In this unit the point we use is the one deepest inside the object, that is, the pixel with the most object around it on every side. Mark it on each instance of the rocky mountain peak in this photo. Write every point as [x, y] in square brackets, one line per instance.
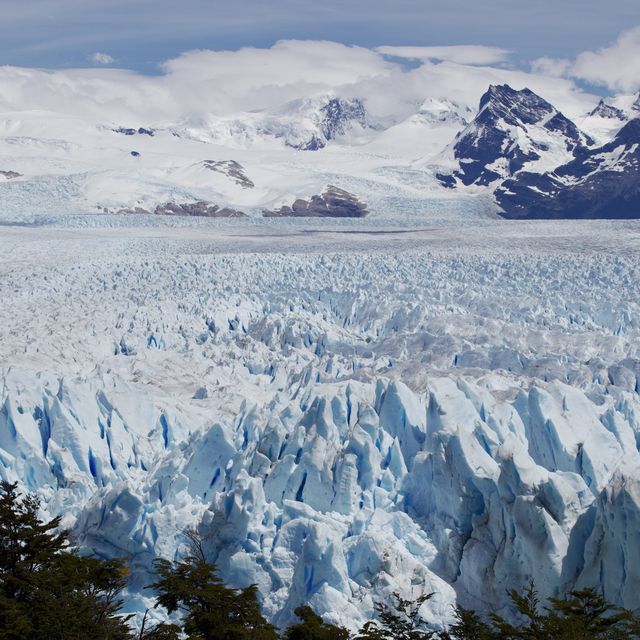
[605, 110]
[512, 128]
[338, 113]
[502, 101]
[335, 118]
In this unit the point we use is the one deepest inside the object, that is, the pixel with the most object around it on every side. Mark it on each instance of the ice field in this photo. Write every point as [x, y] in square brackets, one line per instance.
[342, 409]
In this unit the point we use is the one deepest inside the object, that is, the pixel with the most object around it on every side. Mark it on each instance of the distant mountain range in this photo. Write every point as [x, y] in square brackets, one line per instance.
[517, 149]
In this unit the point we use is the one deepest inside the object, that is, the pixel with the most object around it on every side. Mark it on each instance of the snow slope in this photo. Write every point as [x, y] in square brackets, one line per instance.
[341, 410]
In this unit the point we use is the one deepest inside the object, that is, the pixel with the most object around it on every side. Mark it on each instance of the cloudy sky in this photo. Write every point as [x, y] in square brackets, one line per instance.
[141, 34]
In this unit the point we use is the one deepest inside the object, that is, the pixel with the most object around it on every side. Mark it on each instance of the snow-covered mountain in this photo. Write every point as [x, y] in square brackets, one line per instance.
[603, 183]
[304, 125]
[512, 129]
[397, 155]
[609, 116]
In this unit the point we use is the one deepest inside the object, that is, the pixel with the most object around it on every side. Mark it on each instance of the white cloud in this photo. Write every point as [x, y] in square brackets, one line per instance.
[462, 54]
[101, 58]
[253, 78]
[616, 66]
[554, 67]
[202, 84]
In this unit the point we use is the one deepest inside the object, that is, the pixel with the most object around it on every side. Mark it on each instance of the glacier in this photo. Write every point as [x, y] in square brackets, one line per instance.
[340, 410]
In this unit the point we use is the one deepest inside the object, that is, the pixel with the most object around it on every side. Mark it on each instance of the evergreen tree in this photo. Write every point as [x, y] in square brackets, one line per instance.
[46, 591]
[586, 614]
[534, 622]
[313, 627]
[161, 632]
[210, 610]
[400, 622]
[581, 615]
[467, 626]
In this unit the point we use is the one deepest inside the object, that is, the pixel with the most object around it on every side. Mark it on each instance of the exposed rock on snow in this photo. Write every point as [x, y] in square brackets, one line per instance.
[333, 203]
[334, 119]
[132, 132]
[231, 169]
[200, 208]
[10, 175]
[512, 129]
[605, 110]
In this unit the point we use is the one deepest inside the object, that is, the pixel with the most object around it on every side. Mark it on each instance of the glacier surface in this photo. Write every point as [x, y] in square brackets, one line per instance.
[340, 410]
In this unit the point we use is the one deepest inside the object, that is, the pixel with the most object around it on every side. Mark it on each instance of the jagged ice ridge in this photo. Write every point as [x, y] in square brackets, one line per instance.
[336, 426]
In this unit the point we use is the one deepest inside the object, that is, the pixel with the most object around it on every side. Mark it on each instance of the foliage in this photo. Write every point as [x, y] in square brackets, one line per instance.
[210, 610]
[402, 621]
[467, 625]
[313, 627]
[580, 615]
[46, 591]
[49, 592]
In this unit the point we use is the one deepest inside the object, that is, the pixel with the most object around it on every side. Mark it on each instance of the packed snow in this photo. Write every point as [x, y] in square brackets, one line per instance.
[342, 409]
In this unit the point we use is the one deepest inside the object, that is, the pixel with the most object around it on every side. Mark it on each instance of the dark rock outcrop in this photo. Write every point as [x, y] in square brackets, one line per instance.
[605, 110]
[335, 119]
[338, 114]
[231, 169]
[333, 203]
[127, 131]
[199, 208]
[10, 175]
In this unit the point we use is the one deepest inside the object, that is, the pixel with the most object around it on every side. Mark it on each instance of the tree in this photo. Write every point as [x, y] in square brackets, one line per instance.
[313, 627]
[534, 623]
[580, 615]
[467, 626]
[161, 632]
[586, 614]
[210, 610]
[400, 622]
[46, 591]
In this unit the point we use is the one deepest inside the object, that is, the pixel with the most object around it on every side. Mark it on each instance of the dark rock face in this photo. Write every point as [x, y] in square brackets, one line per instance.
[605, 110]
[313, 144]
[126, 131]
[336, 116]
[333, 203]
[490, 138]
[339, 113]
[231, 169]
[10, 175]
[603, 183]
[199, 208]
[135, 154]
